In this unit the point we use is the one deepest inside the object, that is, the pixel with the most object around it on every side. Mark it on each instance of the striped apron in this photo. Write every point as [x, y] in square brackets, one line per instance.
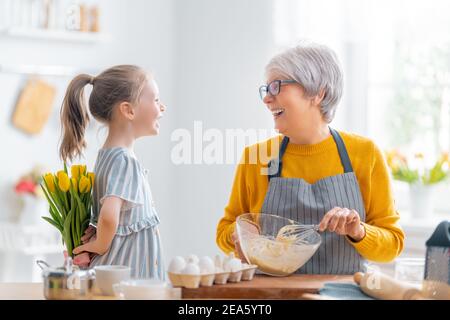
[295, 199]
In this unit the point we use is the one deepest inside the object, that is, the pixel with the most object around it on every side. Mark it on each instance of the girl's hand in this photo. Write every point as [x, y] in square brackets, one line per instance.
[93, 246]
[345, 222]
[82, 260]
[108, 222]
[88, 234]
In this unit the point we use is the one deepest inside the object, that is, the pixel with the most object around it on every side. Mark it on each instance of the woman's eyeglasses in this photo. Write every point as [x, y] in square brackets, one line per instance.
[273, 88]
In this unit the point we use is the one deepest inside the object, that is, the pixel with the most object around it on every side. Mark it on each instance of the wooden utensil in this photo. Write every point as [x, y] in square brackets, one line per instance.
[381, 286]
[266, 287]
[34, 106]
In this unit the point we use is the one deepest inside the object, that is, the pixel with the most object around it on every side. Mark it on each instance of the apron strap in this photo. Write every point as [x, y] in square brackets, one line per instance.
[343, 154]
[283, 147]
[342, 150]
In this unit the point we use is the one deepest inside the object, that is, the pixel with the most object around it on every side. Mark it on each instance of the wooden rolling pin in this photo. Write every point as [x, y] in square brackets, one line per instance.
[381, 286]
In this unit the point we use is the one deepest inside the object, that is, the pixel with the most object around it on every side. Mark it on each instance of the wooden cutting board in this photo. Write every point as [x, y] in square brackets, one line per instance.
[265, 287]
[34, 106]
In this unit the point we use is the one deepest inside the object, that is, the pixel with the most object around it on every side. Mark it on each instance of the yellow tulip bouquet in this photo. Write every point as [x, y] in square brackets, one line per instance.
[70, 200]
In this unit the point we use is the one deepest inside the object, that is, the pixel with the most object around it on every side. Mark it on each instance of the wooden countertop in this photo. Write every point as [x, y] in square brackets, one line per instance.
[266, 287]
[261, 287]
[30, 291]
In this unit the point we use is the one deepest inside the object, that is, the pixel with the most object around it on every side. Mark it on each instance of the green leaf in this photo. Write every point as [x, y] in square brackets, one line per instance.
[81, 206]
[56, 217]
[436, 174]
[56, 196]
[72, 229]
[61, 196]
[67, 233]
[72, 196]
[53, 210]
[88, 203]
[77, 226]
[51, 195]
[405, 174]
[85, 225]
[66, 201]
[60, 228]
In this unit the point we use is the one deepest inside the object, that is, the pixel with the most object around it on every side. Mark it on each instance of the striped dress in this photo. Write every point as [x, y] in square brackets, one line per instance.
[137, 241]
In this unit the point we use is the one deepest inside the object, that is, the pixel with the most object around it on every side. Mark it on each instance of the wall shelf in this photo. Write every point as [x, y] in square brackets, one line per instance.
[55, 35]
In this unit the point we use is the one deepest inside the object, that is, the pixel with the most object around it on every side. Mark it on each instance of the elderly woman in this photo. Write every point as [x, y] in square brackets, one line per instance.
[332, 178]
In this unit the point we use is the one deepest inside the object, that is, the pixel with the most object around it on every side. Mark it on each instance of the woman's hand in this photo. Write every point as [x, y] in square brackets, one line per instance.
[345, 222]
[234, 237]
[238, 248]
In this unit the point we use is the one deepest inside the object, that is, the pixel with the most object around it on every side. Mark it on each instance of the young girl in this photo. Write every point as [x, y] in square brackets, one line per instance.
[126, 99]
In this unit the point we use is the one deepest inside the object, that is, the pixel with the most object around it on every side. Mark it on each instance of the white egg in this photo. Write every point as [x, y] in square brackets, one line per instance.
[177, 264]
[192, 258]
[191, 268]
[232, 265]
[206, 265]
[219, 270]
[225, 260]
[218, 261]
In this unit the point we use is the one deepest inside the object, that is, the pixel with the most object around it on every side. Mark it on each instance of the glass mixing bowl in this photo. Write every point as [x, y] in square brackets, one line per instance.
[257, 235]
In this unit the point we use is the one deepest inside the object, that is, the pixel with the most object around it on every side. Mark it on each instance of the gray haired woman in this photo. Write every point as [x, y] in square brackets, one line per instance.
[336, 179]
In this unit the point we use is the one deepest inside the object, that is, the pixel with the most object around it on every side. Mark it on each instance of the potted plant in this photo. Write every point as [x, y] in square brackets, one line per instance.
[421, 178]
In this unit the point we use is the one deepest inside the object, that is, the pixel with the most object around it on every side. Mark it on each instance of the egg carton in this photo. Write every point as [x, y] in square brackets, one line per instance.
[207, 280]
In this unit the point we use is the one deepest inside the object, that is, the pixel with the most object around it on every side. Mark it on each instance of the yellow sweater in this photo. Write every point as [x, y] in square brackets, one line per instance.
[384, 237]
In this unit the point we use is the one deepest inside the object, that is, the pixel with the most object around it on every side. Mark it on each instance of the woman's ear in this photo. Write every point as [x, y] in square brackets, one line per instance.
[317, 100]
[127, 110]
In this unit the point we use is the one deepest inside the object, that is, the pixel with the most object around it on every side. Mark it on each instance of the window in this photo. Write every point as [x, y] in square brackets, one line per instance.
[396, 61]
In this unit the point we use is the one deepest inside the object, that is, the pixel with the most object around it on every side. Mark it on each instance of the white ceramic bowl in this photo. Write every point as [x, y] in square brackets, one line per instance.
[108, 275]
[142, 289]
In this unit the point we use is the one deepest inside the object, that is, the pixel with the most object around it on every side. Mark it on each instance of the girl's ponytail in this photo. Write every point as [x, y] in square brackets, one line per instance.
[74, 118]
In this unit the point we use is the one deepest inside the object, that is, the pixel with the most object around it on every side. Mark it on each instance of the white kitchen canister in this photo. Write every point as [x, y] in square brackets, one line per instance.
[33, 209]
[421, 200]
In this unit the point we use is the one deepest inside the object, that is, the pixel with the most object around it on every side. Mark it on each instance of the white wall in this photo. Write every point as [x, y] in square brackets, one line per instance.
[222, 48]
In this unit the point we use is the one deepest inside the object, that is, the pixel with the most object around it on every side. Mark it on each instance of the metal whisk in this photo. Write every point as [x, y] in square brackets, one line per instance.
[296, 232]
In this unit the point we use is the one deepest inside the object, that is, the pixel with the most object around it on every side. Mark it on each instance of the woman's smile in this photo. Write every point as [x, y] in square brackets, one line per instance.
[277, 112]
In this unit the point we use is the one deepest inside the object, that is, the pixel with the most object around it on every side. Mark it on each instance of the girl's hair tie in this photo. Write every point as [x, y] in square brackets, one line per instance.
[91, 81]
